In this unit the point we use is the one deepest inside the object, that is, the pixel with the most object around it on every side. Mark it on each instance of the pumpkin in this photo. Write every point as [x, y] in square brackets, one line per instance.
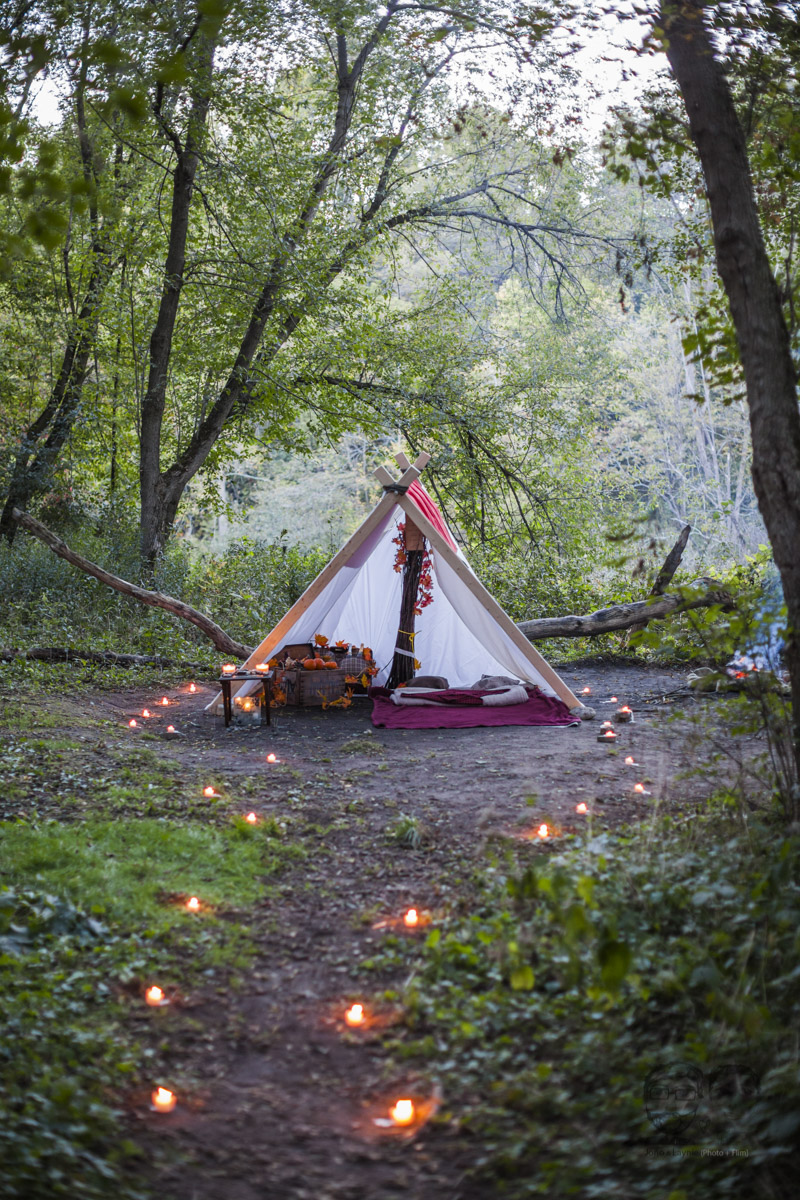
[319, 663]
[310, 664]
[332, 666]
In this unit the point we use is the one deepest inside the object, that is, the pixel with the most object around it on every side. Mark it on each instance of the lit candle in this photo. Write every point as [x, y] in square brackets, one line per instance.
[613, 700]
[411, 918]
[132, 723]
[209, 791]
[624, 713]
[608, 736]
[251, 818]
[247, 705]
[145, 712]
[587, 691]
[155, 997]
[355, 1014]
[163, 1100]
[402, 1112]
[164, 701]
[170, 729]
[607, 725]
[581, 808]
[228, 669]
[192, 687]
[262, 666]
[193, 904]
[629, 761]
[640, 789]
[543, 832]
[272, 758]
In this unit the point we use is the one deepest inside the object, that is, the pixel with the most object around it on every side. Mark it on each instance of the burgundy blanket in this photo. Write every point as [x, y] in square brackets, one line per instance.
[538, 710]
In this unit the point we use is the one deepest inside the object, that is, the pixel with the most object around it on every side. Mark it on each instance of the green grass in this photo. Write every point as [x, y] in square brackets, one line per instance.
[85, 919]
[122, 867]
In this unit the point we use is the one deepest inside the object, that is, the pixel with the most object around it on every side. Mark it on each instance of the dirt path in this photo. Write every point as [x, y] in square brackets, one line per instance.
[285, 1095]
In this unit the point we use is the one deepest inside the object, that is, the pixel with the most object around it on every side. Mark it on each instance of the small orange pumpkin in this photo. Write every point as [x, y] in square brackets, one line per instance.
[319, 663]
[331, 666]
[310, 664]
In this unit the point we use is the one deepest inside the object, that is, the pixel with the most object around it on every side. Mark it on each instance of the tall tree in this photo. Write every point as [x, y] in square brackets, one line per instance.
[753, 293]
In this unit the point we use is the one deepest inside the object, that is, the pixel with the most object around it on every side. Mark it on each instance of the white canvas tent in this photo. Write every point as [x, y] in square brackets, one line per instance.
[462, 634]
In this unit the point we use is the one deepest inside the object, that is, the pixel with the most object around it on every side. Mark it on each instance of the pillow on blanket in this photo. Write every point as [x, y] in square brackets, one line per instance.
[458, 696]
[431, 683]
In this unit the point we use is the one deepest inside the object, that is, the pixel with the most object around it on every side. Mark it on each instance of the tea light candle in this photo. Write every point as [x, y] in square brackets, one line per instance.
[164, 701]
[640, 789]
[209, 791]
[355, 1014]
[163, 1100]
[170, 729]
[155, 997]
[629, 761]
[587, 691]
[402, 1112]
[608, 736]
[145, 712]
[543, 832]
[581, 808]
[262, 666]
[133, 723]
[251, 818]
[607, 725]
[193, 904]
[411, 918]
[613, 700]
[624, 713]
[272, 758]
[192, 687]
[228, 668]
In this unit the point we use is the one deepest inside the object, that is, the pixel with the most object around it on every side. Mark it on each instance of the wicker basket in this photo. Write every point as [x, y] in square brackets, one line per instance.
[306, 689]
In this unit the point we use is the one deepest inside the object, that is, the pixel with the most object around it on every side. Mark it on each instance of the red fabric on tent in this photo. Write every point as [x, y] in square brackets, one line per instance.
[428, 509]
[538, 710]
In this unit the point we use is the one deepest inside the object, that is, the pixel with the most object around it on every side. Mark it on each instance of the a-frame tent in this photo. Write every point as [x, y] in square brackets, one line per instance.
[462, 634]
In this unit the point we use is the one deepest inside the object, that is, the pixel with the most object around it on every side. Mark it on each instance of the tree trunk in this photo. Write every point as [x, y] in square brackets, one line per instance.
[755, 303]
[664, 577]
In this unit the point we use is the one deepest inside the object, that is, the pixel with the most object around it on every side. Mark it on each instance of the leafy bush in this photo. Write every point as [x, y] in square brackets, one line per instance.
[548, 1011]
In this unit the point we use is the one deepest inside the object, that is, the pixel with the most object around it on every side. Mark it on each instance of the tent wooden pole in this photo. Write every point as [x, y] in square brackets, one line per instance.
[488, 601]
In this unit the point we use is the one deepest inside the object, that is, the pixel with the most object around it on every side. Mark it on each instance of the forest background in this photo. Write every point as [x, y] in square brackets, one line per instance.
[253, 249]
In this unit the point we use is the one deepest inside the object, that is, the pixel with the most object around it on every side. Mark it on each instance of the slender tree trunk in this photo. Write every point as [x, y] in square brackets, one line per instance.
[754, 299]
[154, 521]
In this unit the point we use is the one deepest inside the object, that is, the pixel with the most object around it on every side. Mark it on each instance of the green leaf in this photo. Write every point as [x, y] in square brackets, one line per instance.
[522, 979]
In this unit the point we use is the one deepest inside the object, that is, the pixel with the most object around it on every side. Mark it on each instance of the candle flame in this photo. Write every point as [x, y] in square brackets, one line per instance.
[251, 818]
[164, 701]
[272, 758]
[154, 996]
[587, 691]
[412, 917]
[133, 723]
[543, 832]
[355, 1014]
[262, 666]
[192, 687]
[402, 1112]
[581, 808]
[606, 725]
[609, 733]
[209, 791]
[630, 761]
[170, 729]
[163, 1099]
[625, 708]
[638, 787]
[145, 712]
[228, 668]
[193, 904]
[614, 699]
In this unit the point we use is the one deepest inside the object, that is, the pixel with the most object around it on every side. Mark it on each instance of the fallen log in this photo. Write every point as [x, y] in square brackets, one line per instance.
[621, 616]
[218, 637]
[105, 657]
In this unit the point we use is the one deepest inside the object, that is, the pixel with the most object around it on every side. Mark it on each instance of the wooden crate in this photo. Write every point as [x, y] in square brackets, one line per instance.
[305, 689]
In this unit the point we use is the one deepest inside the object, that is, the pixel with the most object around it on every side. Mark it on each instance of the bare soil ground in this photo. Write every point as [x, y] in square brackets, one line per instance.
[286, 1096]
